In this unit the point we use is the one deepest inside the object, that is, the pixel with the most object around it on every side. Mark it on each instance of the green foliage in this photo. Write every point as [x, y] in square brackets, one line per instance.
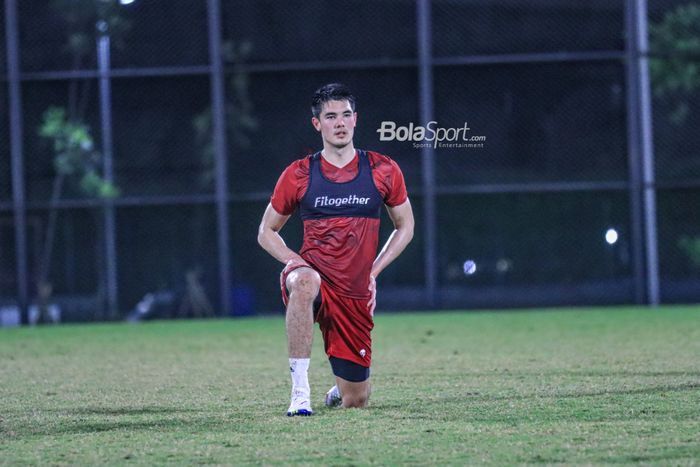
[558, 387]
[74, 153]
[691, 247]
[240, 114]
[239, 111]
[675, 58]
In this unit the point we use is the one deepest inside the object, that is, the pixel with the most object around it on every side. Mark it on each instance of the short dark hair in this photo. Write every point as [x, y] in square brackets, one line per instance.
[331, 92]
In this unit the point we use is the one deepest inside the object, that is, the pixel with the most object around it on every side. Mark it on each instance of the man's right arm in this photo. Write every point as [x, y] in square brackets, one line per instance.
[270, 239]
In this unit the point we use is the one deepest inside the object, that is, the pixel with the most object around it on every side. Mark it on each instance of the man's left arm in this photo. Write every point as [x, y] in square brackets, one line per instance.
[402, 217]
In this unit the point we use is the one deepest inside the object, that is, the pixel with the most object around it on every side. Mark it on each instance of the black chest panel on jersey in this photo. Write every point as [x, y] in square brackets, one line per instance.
[358, 197]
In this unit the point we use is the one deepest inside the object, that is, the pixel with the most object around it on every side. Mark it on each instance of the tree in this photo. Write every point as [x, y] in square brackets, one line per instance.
[675, 73]
[72, 143]
[240, 123]
[240, 118]
[675, 58]
[74, 158]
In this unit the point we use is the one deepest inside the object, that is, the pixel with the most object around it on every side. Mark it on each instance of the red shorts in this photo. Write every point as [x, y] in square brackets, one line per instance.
[345, 323]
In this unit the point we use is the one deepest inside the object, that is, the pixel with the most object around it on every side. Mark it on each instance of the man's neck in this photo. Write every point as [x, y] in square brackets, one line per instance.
[339, 157]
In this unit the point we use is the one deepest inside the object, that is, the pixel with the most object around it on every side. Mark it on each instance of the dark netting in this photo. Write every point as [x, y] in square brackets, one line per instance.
[549, 247]
[62, 34]
[58, 34]
[406, 271]
[8, 258]
[162, 136]
[535, 121]
[171, 253]
[5, 166]
[272, 31]
[163, 33]
[674, 37]
[677, 139]
[679, 244]
[674, 41]
[78, 99]
[541, 122]
[3, 47]
[254, 270]
[658, 9]
[401, 285]
[281, 131]
[514, 27]
[69, 257]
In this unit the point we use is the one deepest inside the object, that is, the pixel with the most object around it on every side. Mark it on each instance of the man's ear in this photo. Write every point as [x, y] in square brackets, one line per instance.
[316, 123]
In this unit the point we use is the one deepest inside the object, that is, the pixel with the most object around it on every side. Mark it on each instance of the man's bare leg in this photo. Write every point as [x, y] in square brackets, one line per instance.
[303, 285]
[355, 395]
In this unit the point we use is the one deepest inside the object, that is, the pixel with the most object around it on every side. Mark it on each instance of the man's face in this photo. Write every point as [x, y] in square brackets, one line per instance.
[336, 123]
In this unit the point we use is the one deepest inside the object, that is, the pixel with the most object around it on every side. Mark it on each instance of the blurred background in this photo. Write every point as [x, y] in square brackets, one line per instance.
[140, 141]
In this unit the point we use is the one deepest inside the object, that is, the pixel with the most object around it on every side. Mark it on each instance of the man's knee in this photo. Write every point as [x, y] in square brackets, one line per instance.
[303, 283]
[356, 401]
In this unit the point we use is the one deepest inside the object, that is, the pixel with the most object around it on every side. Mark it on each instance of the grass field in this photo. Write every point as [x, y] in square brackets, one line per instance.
[568, 386]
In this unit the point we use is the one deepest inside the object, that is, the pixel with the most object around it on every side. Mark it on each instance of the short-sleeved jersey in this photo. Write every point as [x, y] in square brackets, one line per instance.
[341, 246]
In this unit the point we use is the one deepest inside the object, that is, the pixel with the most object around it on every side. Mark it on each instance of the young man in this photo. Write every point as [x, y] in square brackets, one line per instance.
[332, 280]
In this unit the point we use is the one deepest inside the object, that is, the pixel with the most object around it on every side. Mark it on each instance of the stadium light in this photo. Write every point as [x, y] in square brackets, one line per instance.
[469, 267]
[611, 236]
[126, 2]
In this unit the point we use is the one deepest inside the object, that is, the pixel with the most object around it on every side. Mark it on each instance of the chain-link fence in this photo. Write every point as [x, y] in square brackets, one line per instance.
[130, 203]
[5, 169]
[675, 72]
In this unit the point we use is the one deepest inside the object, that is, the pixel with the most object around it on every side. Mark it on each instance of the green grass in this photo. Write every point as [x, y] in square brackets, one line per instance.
[572, 386]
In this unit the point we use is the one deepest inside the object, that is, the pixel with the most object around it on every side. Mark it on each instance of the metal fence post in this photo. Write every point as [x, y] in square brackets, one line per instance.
[218, 109]
[641, 155]
[110, 244]
[425, 92]
[18, 194]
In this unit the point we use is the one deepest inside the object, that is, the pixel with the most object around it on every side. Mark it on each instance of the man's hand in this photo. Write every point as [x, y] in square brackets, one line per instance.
[290, 265]
[296, 262]
[373, 290]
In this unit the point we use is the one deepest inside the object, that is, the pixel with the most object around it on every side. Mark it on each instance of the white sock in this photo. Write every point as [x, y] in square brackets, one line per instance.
[299, 369]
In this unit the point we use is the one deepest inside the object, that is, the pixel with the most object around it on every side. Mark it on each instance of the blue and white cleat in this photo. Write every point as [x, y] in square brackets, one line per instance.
[300, 406]
[333, 397]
